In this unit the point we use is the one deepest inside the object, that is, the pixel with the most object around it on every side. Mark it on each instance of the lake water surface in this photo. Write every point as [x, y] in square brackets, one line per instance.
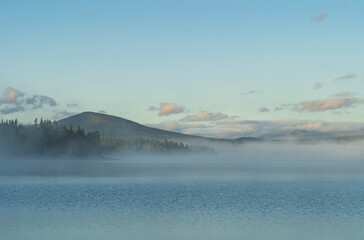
[181, 208]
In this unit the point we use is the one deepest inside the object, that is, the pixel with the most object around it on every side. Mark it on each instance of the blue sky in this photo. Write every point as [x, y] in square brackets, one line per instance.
[201, 67]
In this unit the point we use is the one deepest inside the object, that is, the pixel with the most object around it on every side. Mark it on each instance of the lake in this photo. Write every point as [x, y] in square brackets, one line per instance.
[278, 207]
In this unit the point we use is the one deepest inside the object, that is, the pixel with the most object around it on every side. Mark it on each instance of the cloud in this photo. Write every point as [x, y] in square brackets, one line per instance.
[319, 17]
[344, 94]
[8, 110]
[170, 108]
[252, 92]
[345, 77]
[166, 109]
[17, 101]
[152, 108]
[37, 101]
[11, 96]
[317, 86]
[263, 109]
[341, 113]
[328, 104]
[71, 105]
[205, 116]
[282, 107]
[62, 114]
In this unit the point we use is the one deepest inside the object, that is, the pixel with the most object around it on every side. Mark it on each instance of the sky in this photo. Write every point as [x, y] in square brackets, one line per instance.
[213, 68]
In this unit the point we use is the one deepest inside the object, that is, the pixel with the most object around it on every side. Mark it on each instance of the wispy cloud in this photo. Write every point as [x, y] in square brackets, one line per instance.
[263, 109]
[282, 107]
[345, 77]
[319, 17]
[252, 92]
[14, 100]
[344, 94]
[317, 86]
[72, 105]
[341, 113]
[328, 104]
[204, 116]
[166, 109]
[152, 108]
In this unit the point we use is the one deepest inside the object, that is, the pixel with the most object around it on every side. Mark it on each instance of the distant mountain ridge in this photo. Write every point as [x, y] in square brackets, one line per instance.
[300, 134]
[116, 127]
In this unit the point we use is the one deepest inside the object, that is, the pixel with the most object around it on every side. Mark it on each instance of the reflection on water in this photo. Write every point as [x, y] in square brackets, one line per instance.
[188, 208]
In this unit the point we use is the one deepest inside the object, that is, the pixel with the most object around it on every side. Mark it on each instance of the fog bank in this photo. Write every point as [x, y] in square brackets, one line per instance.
[238, 160]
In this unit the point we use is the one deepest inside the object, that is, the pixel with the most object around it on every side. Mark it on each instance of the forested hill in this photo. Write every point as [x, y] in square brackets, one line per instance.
[117, 127]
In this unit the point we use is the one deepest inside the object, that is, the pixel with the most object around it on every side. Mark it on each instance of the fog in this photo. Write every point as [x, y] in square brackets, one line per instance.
[231, 160]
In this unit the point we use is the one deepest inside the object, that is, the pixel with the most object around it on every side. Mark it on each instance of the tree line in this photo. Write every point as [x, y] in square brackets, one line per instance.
[147, 145]
[49, 139]
[46, 138]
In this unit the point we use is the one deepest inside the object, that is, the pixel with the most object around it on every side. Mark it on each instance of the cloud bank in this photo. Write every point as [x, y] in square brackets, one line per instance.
[285, 128]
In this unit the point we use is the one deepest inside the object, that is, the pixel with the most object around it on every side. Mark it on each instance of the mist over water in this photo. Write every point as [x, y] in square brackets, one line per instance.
[239, 160]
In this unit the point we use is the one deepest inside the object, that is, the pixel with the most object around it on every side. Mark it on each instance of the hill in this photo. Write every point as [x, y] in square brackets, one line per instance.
[117, 127]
